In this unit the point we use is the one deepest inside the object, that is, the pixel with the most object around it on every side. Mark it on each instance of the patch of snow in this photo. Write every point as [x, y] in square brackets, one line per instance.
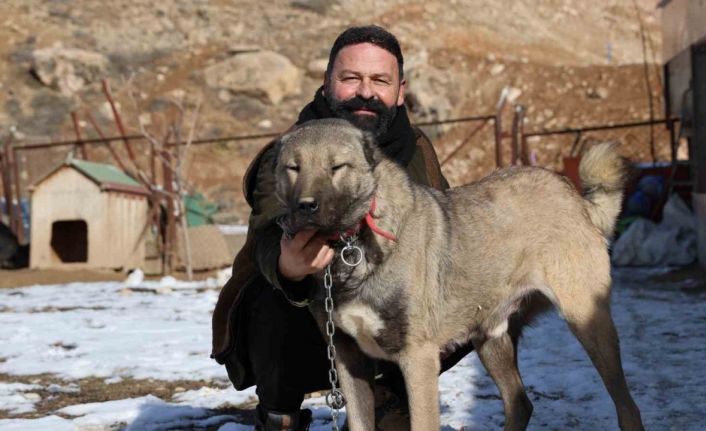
[104, 334]
[49, 423]
[16, 398]
[135, 278]
[233, 229]
[94, 330]
[216, 398]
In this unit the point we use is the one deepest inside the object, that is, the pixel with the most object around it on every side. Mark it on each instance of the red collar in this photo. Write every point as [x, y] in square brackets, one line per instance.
[370, 222]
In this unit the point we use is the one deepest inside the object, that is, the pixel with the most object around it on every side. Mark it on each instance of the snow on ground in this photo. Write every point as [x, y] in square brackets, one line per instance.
[161, 330]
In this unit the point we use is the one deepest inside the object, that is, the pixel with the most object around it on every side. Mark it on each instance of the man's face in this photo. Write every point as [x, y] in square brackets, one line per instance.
[364, 87]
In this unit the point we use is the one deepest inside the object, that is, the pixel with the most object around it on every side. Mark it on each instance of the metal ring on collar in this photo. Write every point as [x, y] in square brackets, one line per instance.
[348, 248]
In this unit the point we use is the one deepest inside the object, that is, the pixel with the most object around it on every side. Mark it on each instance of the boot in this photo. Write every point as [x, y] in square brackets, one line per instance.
[275, 421]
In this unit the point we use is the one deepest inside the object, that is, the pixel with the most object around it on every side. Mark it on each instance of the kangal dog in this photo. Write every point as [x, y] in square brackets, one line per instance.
[476, 263]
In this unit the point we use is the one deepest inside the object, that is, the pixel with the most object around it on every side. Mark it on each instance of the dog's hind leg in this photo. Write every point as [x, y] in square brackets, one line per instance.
[356, 373]
[590, 321]
[499, 356]
[420, 366]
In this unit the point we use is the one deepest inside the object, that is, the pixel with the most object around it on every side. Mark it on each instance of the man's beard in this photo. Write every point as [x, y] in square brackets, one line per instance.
[378, 124]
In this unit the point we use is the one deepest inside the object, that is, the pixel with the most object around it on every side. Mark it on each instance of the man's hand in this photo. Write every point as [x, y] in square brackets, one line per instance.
[306, 253]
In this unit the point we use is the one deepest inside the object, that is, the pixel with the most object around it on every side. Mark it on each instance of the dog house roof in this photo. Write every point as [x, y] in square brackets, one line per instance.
[107, 177]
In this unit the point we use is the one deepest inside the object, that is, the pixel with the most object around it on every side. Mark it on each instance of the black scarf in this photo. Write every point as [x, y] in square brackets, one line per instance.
[398, 143]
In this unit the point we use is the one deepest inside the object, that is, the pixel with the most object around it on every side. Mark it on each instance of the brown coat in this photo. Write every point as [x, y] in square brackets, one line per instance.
[258, 265]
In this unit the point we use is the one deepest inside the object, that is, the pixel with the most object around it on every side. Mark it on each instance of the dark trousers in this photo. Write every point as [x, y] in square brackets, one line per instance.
[288, 352]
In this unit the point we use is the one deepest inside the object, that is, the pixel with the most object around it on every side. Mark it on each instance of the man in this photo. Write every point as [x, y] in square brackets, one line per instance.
[266, 336]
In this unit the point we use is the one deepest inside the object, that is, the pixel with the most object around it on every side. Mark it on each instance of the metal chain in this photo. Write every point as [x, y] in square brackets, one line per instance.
[334, 399]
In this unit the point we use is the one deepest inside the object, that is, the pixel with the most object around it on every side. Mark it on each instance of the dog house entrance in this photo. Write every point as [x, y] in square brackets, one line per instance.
[69, 240]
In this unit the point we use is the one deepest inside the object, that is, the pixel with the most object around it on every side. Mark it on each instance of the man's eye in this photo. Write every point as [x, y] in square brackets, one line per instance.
[293, 168]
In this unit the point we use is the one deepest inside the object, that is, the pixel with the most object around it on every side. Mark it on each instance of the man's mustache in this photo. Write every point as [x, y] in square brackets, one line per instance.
[356, 103]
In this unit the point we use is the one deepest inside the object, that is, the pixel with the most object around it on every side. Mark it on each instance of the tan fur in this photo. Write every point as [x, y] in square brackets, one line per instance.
[476, 262]
[602, 175]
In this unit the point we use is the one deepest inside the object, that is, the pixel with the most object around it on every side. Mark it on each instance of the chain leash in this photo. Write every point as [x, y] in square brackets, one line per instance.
[351, 255]
[334, 399]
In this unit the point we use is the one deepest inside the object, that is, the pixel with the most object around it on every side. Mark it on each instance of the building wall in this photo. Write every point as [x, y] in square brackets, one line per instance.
[682, 25]
[126, 220]
[114, 221]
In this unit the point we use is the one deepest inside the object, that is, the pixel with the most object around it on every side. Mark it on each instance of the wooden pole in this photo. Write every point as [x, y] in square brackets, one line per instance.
[79, 140]
[20, 233]
[7, 187]
[118, 121]
[110, 147]
[170, 231]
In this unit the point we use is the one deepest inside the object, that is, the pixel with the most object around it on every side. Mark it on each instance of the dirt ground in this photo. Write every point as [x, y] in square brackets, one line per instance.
[29, 277]
[96, 390]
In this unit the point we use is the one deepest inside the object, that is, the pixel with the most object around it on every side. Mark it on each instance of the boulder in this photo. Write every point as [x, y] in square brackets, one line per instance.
[317, 68]
[68, 69]
[266, 75]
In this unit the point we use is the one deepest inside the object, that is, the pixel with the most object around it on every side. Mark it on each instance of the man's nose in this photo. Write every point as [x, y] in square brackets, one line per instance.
[308, 205]
[365, 91]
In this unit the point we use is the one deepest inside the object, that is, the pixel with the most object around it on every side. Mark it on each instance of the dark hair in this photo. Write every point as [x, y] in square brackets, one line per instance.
[366, 34]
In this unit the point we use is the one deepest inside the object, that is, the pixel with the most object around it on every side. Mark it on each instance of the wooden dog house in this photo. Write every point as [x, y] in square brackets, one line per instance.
[88, 215]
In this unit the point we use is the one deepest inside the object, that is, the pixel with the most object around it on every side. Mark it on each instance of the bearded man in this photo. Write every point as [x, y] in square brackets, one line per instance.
[262, 330]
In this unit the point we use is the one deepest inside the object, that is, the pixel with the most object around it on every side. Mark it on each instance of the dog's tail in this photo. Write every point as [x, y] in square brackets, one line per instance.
[603, 174]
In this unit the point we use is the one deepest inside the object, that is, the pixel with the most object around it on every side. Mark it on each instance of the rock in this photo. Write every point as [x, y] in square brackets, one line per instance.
[317, 68]
[597, 93]
[426, 95]
[68, 69]
[265, 74]
[513, 93]
[497, 69]
[246, 108]
[318, 6]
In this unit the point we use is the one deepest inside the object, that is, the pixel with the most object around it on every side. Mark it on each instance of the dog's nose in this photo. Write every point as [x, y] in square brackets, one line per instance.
[308, 205]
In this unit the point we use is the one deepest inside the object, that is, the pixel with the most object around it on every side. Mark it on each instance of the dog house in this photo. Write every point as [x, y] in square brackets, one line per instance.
[87, 215]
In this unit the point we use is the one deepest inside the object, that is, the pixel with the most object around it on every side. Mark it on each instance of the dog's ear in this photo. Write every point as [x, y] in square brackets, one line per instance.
[277, 148]
[370, 149]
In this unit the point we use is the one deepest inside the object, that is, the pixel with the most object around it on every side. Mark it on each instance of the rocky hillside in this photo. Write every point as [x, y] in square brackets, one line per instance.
[250, 66]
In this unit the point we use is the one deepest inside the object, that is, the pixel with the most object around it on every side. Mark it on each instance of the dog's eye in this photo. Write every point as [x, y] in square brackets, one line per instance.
[339, 166]
[293, 168]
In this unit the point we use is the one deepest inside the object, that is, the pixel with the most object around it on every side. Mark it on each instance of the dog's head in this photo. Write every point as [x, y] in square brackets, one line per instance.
[324, 175]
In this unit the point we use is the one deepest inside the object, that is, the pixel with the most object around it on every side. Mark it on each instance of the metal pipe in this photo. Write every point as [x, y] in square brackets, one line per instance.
[455, 151]
[573, 130]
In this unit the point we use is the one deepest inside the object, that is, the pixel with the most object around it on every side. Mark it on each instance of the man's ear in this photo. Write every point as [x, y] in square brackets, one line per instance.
[400, 95]
[370, 150]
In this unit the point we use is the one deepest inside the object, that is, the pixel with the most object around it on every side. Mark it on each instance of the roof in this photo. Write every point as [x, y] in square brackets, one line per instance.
[102, 173]
[107, 177]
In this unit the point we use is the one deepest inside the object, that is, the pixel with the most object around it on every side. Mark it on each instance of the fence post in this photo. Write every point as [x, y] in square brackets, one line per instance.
[20, 232]
[7, 187]
[499, 129]
[517, 120]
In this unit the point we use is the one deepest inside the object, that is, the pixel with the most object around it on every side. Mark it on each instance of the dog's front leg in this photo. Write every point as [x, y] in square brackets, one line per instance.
[420, 366]
[356, 373]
